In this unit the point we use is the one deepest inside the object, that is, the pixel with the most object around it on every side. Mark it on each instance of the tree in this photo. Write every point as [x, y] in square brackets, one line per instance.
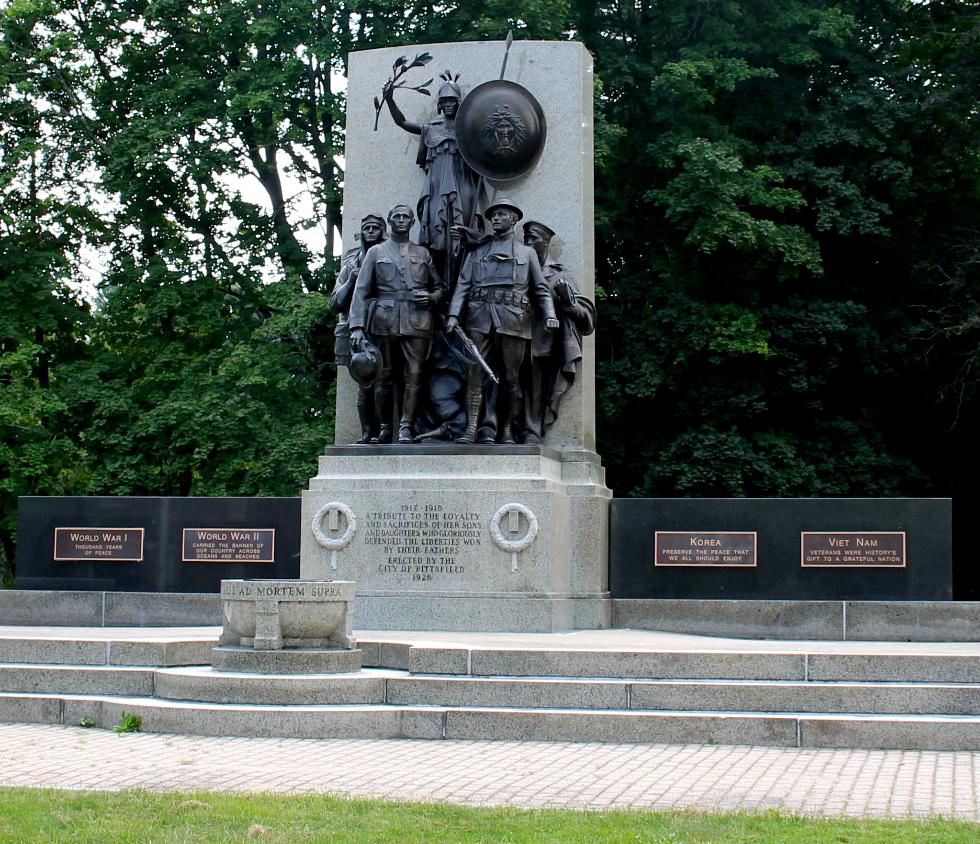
[761, 175]
[42, 321]
[785, 205]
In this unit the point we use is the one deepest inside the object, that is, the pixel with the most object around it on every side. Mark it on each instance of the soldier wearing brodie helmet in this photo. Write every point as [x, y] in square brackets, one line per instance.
[499, 286]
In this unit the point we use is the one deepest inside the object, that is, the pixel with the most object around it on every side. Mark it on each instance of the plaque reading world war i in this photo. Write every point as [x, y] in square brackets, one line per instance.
[858, 549]
[228, 545]
[704, 548]
[107, 544]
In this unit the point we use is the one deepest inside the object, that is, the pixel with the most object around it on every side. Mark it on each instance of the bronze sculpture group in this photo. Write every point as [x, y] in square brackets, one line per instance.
[470, 335]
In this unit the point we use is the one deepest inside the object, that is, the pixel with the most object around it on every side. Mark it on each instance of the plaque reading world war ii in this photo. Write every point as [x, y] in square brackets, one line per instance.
[105, 544]
[228, 545]
[704, 548]
[860, 549]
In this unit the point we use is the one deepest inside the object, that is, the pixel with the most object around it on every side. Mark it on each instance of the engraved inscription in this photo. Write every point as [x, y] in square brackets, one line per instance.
[704, 548]
[104, 544]
[419, 542]
[243, 589]
[856, 549]
[228, 545]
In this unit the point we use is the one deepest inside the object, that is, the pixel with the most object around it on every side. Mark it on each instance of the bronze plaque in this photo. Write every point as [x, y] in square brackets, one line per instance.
[715, 549]
[500, 130]
[103, 544]
[853, 549]
[228, 545]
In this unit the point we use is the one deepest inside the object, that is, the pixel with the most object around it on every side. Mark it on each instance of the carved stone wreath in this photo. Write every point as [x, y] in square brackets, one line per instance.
[334, 543]
[513, 546]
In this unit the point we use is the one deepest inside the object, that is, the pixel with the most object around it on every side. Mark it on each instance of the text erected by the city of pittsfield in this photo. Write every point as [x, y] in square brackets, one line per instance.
[423, 542]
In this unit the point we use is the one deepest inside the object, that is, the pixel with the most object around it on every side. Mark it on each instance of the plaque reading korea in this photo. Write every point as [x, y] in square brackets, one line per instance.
[107, 544]
[228, 545]
[861, 549]
[704, 548]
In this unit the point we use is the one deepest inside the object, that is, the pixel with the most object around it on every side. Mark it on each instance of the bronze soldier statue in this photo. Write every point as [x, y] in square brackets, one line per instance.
[394, 298]
[499, 282]
[372, 233]
[449, 193]
[554, 354]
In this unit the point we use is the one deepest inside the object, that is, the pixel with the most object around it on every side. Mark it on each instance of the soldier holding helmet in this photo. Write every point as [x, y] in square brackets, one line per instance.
[396, 292]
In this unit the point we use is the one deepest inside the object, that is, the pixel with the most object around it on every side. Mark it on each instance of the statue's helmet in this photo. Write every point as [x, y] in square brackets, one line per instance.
[504, 203]
[545, 230]
[365, 364]
[449, 90]
[374, 218]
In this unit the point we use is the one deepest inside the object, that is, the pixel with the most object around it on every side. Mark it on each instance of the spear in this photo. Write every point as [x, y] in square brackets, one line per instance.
[510, 40]
[481, 183]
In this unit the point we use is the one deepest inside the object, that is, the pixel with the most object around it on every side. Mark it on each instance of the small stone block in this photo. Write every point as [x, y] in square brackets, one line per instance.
[291, 661]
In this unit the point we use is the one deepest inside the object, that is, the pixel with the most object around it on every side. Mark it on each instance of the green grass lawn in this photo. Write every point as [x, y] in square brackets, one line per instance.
[30, 815]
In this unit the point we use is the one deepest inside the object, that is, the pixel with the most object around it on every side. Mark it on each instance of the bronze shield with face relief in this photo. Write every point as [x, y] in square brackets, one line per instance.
[500, 129]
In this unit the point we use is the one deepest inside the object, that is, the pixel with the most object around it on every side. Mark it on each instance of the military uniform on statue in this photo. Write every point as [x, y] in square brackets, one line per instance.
[555, 355]
[498, 286]
[372, 233]
[396, 291]
[453, 517]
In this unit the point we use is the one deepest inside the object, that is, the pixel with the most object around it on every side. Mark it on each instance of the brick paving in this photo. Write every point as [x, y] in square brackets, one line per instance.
[818, 782]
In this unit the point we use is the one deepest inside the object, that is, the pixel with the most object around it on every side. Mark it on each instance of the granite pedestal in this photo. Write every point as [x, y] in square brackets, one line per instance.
[462, 538]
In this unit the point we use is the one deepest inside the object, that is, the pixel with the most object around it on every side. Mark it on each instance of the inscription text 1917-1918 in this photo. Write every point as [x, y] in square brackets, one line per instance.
[420, 542]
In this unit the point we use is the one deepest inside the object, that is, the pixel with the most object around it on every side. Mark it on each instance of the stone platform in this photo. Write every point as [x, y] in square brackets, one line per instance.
[902, 621]
[611, 685]
[451, 537]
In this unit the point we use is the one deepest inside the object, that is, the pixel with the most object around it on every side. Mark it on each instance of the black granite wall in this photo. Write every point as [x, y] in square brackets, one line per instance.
[163, 520]
[717, 565]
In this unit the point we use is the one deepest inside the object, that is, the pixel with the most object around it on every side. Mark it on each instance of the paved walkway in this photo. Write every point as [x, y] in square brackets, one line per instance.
[857, 783]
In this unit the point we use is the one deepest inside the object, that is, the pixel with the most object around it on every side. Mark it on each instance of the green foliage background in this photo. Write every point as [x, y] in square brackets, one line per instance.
[787, 235]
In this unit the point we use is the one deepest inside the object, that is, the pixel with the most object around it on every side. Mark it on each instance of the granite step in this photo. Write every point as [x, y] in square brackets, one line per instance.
[687, 695]
[707, 664]
[106, 648]
[77, 679]
[201, 683]
[776, 729]
[386, 686]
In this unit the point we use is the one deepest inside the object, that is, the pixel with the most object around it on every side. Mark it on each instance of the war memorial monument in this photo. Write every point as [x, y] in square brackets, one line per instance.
[458, 568]
[464, 491]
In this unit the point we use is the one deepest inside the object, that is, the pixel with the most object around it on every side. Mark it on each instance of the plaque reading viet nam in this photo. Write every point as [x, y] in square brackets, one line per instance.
[860, 549]
[104, 544]
[228, 545]
[704, 548]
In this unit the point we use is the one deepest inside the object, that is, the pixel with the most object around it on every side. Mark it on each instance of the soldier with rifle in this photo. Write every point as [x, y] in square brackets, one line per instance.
[499, 285]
